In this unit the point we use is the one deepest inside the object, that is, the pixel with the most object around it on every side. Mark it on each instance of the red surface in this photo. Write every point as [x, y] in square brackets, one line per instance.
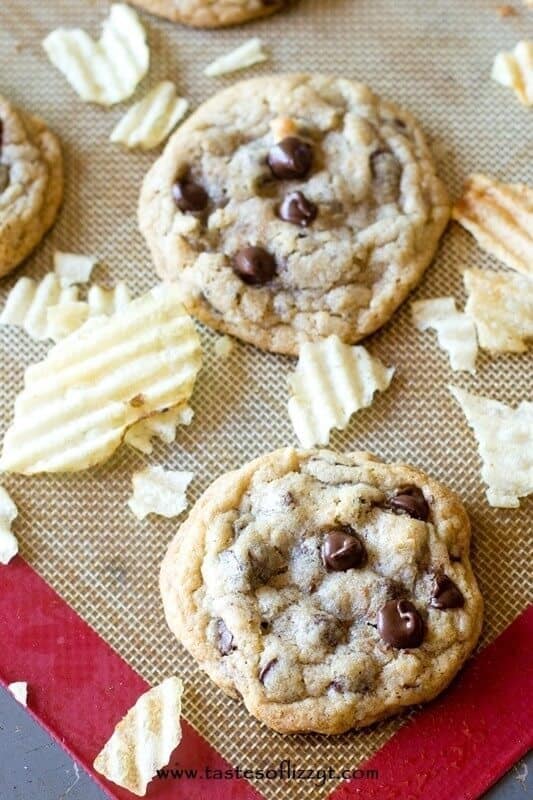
[79, 687]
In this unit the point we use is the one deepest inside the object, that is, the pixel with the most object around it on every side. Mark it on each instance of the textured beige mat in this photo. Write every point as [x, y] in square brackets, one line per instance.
[433, 57]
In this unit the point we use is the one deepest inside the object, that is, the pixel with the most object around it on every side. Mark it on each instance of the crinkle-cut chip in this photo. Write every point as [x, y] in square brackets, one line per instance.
[332, 381]
[456, 332]
[224, 346]
[62, 320]
[19, 690]
[106, 71]
[249, 53]
[72, 268]
[501, 305]
[163, 426]
[148, 123]
[159, 491]
[500, 217]
[78, 402]
[8, 542]
[505, 442]
[28, 302]
[144, 739]
[515, 70]
[108, 301]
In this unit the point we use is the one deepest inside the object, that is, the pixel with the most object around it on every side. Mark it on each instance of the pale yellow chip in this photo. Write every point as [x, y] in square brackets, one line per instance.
[144, 739]
[159, 491]
[8, 513]
[72, 268]
[456, 332]
[332, 381]
[64, 319]
[19, 690]
[505, 442]
[249, 53]
[148, 123]
[515, 70]
[78, 402]
[162, 426]
[500, 216]
[28, 302]
[501, 305]
[106, 71]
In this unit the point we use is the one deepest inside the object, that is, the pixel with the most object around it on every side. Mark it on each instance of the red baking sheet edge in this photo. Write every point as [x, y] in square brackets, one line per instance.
[80, 687]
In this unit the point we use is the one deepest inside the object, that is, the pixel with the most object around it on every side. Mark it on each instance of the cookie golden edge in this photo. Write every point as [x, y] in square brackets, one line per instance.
[181, 577]
[207, 18]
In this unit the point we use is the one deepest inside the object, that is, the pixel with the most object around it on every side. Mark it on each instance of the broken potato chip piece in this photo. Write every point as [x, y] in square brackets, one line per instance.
[332, 381]
[8, 513]
[505, 442]
[500, 217]
[106, 71]
[150, 121]
[248, 54]
[456, 332]
[515, 71]
[144, 739]
[159, 491]
[78, 402]
[72, 268]
[501, 305]
[162, 426]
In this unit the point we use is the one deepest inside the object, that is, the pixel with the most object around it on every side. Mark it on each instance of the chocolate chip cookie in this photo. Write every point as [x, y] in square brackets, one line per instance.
[329, 591]
[211, 13]
[31, 183]
[294, 207]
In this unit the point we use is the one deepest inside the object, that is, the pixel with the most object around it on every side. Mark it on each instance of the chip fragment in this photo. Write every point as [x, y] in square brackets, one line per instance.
[500, 217]
[78, 402]
[144, 739]
[72, 268]
[162, 426]
[28, 302]
[515, 71]
[159, 491]
[501, 305]
[8, 543]
[332, 381]
[456, 332]
[106, 71]
[505, 443]
[248, 54]
[19, 690]
[148, 123]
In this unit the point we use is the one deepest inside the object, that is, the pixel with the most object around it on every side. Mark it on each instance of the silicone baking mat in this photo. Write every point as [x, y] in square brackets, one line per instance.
[434, 58]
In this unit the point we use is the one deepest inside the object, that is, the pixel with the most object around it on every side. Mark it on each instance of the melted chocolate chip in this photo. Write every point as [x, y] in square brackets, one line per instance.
[410, 501]
[296, 208]
[254, 265]
[266, 669]
[290, 158]
[342, 549]
[189, 195]
[400, 624]
[446, 594]
[224, 638]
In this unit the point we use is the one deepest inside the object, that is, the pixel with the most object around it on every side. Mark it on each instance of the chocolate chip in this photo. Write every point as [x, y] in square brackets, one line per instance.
[266, 669]
[224, 638]
[342, 549]
[400, 624]
[296, 208]
[189, 195]
[446, 594]
[265, 625]
[254, 265]
[290, 158]
[410, 501]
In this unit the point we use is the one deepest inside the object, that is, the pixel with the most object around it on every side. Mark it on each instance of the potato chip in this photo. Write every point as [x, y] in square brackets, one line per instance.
[456, 332]
[159, 491]
[224, 346]
[64, 319]
[8, 542]
[72, 268]
[144, 739]
[500, 217]
[249, 53]
[106, 71]
[163, 426]
[505, 442]
[28, 302]
[515, 71]
[501, 305]
[332, 381]
[19, 690]
[78, 402]
[152, 119]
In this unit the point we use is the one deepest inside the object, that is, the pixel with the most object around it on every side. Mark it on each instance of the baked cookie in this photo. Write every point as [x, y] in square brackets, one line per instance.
[294, 207]
[329, 591]
[31, 183]
[211, 13]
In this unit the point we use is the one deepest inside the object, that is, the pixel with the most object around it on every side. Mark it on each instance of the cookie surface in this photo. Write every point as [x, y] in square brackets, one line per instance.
[294, 207]
[31, 183]
[211, 13]
[328, 591]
